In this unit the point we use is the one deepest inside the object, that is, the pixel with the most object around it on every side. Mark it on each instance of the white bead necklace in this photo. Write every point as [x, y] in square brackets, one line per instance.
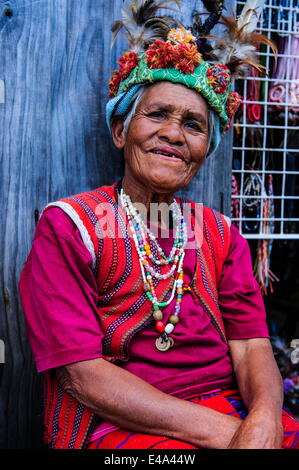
[140, 231]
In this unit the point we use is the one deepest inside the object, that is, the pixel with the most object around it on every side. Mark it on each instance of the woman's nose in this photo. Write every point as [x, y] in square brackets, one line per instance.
[171, 131]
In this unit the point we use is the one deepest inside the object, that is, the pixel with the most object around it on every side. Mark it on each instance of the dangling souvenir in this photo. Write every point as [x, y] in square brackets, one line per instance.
[285, 89]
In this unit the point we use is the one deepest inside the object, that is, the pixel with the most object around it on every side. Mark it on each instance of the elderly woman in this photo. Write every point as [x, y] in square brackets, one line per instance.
[150, 341]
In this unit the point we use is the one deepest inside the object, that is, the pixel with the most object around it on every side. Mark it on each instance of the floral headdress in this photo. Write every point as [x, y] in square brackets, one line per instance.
[158, 52]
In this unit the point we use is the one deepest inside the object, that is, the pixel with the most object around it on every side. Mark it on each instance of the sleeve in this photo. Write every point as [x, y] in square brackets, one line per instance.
[240, 298]
[59, 295]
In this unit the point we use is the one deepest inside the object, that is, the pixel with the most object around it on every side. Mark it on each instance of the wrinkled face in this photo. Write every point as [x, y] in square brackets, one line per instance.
[167, 139]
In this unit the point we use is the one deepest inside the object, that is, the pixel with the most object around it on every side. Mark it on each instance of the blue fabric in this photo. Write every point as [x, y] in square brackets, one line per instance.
[120, 105]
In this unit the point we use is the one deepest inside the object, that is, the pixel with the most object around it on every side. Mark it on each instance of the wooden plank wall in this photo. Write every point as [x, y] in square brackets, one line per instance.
[55, 61]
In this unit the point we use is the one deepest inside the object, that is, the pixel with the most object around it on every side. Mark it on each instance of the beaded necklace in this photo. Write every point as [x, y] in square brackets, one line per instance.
[142, 237]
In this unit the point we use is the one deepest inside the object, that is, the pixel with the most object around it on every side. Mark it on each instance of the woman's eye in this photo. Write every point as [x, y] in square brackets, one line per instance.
[155, 114]
[193, 125]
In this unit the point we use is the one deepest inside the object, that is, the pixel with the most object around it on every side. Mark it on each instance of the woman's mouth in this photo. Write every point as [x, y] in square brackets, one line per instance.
[168, 153]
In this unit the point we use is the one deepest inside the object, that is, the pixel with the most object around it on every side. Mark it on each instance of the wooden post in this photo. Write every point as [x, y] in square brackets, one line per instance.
[55, 62]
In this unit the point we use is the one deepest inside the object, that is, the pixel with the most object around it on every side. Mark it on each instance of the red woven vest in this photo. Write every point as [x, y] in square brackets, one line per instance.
[122, 304]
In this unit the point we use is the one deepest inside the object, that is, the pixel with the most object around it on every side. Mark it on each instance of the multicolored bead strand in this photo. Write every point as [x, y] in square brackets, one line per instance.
[142, 237]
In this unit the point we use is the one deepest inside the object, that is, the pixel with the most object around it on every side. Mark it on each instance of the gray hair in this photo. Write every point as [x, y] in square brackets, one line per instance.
[137, 99]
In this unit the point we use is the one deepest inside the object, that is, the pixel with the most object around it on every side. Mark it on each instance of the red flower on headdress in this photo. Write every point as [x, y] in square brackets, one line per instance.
[218, 77]
[160, 55]
[187, 57]
[234, 100]
[127, 63]
[114, 84]
[182, 56]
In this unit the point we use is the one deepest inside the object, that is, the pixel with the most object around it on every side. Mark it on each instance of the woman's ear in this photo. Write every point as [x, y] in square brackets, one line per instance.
[118, 132]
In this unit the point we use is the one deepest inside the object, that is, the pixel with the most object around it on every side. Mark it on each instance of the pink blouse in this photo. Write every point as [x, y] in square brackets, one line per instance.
[59, 297]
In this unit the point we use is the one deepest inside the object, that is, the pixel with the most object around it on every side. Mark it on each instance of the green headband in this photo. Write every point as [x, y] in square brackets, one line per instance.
[180, 63]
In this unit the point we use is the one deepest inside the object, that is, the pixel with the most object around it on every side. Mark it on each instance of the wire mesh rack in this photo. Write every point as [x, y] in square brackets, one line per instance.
[266, 138]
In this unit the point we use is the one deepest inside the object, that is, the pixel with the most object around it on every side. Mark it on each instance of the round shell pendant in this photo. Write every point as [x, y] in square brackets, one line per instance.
[164, 344]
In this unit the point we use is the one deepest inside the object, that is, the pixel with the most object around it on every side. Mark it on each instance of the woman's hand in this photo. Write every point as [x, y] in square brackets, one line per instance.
[260, 386]
[258, 431]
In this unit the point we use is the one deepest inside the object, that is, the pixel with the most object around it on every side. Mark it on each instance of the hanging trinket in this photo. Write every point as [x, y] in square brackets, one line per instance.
[164, 342]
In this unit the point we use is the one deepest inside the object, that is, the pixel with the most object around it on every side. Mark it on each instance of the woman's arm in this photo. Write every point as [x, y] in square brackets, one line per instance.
[260, 386]
[120, 397]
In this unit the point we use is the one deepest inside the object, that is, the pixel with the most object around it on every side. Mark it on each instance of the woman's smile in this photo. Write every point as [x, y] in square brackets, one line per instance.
[168, 153]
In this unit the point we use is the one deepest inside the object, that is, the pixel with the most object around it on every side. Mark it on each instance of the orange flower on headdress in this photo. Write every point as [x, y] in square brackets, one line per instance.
[179, 35]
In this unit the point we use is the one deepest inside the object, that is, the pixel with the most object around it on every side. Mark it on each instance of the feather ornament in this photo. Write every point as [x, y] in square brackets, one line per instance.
[237, 49]
[251, 14]
[142, 25]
